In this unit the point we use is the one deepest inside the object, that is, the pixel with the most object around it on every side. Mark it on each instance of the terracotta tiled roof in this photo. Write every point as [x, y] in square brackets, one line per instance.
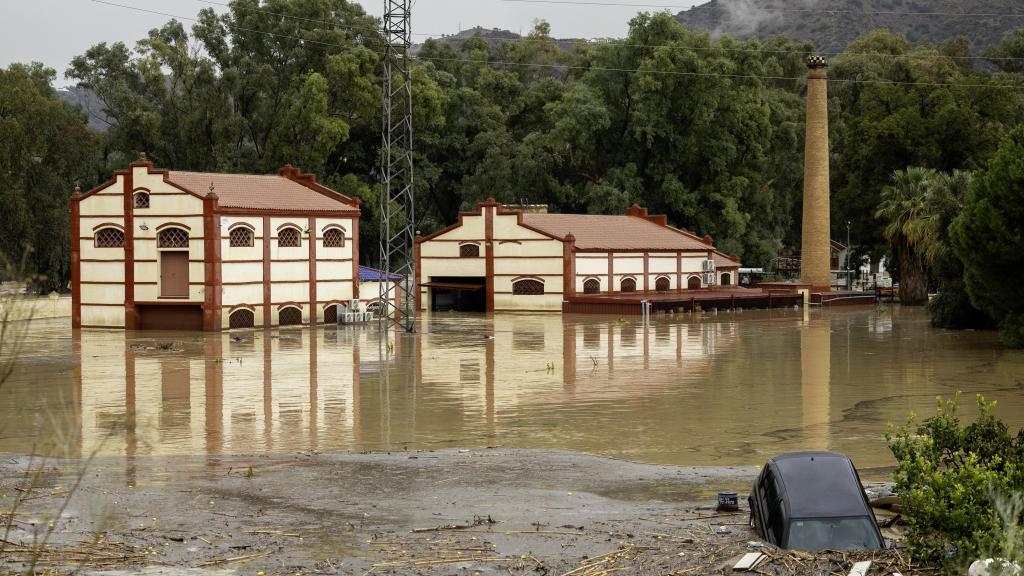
[259, 192]
[595, 232]
[723, 261]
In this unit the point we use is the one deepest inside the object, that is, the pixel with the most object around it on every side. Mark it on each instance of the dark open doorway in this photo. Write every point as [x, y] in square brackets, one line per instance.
[457, 294]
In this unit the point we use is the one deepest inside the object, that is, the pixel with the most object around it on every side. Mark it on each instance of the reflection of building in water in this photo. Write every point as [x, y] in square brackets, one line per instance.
[816, 382]
[260, 391]
[327, 389]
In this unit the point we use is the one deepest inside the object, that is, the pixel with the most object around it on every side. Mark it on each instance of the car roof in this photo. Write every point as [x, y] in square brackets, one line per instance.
[820, 485]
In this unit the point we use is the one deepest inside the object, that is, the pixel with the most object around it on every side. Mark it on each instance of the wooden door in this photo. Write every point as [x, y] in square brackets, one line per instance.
[174, 274]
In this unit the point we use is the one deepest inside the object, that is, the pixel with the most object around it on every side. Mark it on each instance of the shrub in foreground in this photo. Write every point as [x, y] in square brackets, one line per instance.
[950, 477]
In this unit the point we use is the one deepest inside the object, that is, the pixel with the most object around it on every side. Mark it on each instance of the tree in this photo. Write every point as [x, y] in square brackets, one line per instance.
[45, 147]
[988, 236]
[904, 209]
[913, 105]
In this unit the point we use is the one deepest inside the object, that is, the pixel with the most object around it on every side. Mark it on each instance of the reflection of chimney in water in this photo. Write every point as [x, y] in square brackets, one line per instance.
[815, 381]
[815, 263]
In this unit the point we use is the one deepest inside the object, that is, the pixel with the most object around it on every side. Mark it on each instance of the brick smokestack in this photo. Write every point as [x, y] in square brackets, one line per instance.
[815, 252]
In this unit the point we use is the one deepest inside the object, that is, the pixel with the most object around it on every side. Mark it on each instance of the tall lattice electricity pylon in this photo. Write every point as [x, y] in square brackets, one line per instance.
[398, 223]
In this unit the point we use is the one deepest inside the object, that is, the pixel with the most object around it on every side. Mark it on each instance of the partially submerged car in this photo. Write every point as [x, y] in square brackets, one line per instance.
[813, 501]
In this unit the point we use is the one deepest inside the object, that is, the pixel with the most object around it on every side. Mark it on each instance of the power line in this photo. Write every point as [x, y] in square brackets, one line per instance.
[772, 9]
[586, 68]
[590, 41]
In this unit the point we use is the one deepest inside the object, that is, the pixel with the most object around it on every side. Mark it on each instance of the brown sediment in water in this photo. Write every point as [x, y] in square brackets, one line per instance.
[726, 389]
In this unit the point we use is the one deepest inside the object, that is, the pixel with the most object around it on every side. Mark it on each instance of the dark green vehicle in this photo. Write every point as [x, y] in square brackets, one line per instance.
[813, 501]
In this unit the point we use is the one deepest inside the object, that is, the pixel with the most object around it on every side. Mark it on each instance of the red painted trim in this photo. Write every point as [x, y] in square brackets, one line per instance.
[489, 265]
[313, 316]
[647, 272]
[239, 225]
[355, 258]
[284, 305]
[236, 307]
[76, 264]
[290, 225]
[177, 225]
[523, 277]
[212, 266]
[679, 271]
[131, 317]
[327, 227]
[569, 265]
[97, 227]
[267, 321]
[97, 260]
[611, 272]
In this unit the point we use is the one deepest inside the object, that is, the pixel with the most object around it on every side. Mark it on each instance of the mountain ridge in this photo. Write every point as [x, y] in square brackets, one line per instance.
[831, 25]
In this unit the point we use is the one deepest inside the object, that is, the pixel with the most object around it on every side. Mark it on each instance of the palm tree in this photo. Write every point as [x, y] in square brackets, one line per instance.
[907, 208]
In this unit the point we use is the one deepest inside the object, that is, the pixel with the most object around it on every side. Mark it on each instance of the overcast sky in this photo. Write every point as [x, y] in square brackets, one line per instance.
[54, 31]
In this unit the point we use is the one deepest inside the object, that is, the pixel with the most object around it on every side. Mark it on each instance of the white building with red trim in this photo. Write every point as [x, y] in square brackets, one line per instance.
[158, 249]
[499, 258]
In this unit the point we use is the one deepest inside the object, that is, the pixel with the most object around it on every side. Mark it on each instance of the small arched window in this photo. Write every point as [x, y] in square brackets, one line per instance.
[662, 284]
[109, 238]
[141, 200]
[469, 251]
[726, 279]
[693, 283]
[331, 314]
[628, 285]
[528, 288]
[241, 237]
[290, 316]
[592, 286]
[334, 238]
[172, 238]
[289, 238]
[242, 318]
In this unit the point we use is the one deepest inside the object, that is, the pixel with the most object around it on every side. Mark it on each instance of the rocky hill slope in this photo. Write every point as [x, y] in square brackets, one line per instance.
[832, 24]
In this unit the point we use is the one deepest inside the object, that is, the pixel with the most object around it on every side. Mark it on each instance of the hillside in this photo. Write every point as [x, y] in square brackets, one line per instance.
[839, 22]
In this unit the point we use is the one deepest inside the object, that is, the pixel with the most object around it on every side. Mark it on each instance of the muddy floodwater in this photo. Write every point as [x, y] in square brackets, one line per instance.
[726, 389]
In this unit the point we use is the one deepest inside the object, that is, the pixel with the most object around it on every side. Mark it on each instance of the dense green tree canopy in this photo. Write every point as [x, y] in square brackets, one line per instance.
[989, 238]
[45, 148]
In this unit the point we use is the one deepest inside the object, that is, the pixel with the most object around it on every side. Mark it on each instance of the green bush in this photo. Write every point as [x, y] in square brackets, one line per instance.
[950, 477]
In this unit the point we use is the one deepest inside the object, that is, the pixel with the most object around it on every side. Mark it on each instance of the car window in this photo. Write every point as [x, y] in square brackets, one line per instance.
[816, 534]
[774, 522]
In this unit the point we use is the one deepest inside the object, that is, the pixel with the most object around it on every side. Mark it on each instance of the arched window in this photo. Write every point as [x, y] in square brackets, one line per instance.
[726, 279]
[109, 238]
[469, 251]
[331, 314]
[241, 237]
[628, 285]
[693, 283]
[289, 238]
[662, 284]
[242, 318]
[592, 286]
[141, 200]
[290, 316]
[528, 288]
[334, 238]
[375, 307]
[172, 238]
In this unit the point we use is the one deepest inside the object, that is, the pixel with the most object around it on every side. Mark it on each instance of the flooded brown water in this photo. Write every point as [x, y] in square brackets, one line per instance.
[730, 389]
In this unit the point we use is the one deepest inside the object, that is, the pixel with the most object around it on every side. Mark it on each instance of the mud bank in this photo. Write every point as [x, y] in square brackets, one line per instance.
[487, 511]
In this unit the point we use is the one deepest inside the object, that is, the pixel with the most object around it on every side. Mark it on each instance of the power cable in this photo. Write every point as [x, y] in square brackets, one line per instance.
[577, 67]
[772, 9]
